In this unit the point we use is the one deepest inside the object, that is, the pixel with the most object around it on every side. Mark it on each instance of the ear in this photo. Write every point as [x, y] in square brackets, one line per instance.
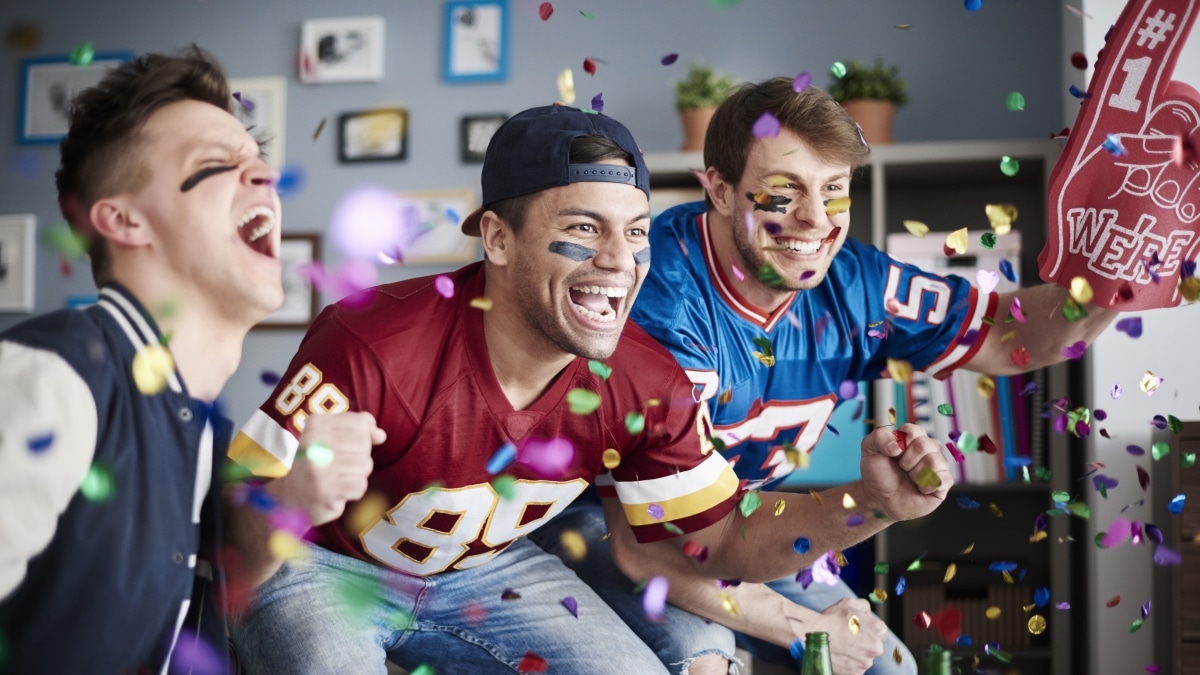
[722, 193]
[497, 238]
[114, 219]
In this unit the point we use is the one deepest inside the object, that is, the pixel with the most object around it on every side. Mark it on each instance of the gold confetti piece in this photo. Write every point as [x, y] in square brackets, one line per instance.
[1037, 624]
[901, 26]
[992, 613]
[892, 416]
[482, 303]
[1008, 578]
[1081, 290]
[837, 205]
[766, 360]
[779, 507]
[1001, 216]
[841, 559]
[996, 510]
[1149, 383]
[916, 228]
[1189, 288]
[848, 501]
[957, 241]
[725, 396]
[968, 549]
[284, 544]
[574, 544]
[366, 512]
[728, 603]
[566, 87]
[880, 594]
[897, 656]
[1008, 336]
[901, 371]
[320, 128]
[951, 570]
[986, 386]
[1037, 536]
[855, 624]
[817, 496]
[152, 365]
[928, 478]
[611, 459]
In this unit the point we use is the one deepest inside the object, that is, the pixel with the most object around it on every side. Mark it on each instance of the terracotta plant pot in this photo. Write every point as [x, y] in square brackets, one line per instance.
[695, 125]
[875, 117]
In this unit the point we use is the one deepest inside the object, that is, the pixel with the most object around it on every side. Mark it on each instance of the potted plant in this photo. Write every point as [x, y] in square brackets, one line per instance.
[696, 98]
[870, 95]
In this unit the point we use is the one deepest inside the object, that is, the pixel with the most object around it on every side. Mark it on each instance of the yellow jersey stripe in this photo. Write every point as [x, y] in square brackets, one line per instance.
[686, 505]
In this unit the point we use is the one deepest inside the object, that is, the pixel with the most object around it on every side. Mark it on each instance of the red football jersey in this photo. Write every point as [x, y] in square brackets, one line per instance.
[418, 362]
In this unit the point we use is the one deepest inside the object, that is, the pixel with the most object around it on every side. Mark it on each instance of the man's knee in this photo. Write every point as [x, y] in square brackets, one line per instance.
[709, 664]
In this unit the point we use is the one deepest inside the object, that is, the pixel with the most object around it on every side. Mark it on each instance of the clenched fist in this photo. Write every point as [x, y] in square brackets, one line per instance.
[904, 471]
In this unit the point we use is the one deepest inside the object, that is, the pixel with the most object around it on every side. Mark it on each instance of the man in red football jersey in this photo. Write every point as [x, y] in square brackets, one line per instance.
[495, 411]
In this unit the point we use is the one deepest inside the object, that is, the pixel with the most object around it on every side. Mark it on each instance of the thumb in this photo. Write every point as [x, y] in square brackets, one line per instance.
[378, 435]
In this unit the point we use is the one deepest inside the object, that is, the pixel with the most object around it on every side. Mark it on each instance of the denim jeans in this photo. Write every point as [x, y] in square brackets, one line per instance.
[333, 613]
[683, 635]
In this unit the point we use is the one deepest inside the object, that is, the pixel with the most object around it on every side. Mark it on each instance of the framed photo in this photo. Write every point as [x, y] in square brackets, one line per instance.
[48, 83]
[475, 134]
[476, 41]
[261, 105]
[379, 135]
[17, 262]
[440, 240]
[342, 50]
[300, 300]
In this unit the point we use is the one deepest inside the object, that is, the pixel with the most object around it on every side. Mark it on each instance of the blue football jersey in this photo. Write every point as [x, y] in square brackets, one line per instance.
[869, 308]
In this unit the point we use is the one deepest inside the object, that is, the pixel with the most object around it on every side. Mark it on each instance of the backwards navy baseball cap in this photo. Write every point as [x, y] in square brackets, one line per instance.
[531, 152]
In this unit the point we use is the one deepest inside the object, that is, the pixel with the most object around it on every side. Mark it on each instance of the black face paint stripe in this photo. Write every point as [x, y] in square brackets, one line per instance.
[576, 252]
[641, 257]
[200, 175]
[777, 204]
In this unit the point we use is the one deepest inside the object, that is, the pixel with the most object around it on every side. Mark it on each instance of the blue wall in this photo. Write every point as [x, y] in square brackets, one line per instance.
[959, 67]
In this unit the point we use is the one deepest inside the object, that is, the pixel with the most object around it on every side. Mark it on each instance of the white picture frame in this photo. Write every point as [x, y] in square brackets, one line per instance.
[441, 240]
[48, 84]
[261, 105]
[301, 302]
[342, 50]
[17, 262]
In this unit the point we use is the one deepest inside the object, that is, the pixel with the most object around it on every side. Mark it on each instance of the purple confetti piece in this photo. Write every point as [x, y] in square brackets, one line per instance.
[1159, 422]
[598, 102]
[968, 338]
[1030, 389]
[1108, 483]
[656, 512]
[444, 286]
[669, 59]
[1060, 424]
[572, 606]
[1116, 391]
[801, 82]
[1075, 351]
[807, 274]
[855, 520]
[193, 654]
[1100, 415]
[1135, 450]
[1131, 326]
[805, 578]
[37, 444]
[858, 410]
[1145, 610]
[1041, 521]
[269, 378]
[1153, 668]
[1164, 556]
[1063, 605]
[848, 389]
[1187, 268]
[767, 126]
[1135, 532]
[773, 229]
[833, 430]
[728, 583]
[654, 598]
[1153, 533]
[247, 103]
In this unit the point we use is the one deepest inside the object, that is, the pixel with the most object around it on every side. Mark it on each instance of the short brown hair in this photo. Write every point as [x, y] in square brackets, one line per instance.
[97, 154]
[811, 114]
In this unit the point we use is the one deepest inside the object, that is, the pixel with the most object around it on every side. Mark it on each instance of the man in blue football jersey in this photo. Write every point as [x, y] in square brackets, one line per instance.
[768, 306]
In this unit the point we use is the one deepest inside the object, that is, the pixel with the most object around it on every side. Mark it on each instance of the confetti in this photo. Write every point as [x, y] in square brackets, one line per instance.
[598, 102]
[548, 458]
[1020, 357]
[987, 280]
[728, 603]
[583, 401]
[572, 605]
[951, 570]
[854, 624]
[98, 484]
[586, 15]
[82, 55]
[566, 86]
[635, 422]
[482, 303]
[838, 69]
[611, 459]
[1001, 217]
[152, 366]
[992, 612]
[1112, 143]
[444, 286]
[669, 59]
[1077, 92]
[802, 545]
[1009, 166]
[1006, 269]
[1150, 383]
[957, 241]
[1075, 351]
[39, 444]
[916, 228]
[531, 663]
[1116, 391]
[1036, 624]
[1079, 61]
[502, 458]
[589, 66]
[1015, 102]
[801, 82]
[65, 241]
[373, 219]
[928, 478]
[922, 620]
[545, 11]
[749, 503]
[319, 129]
[900, 371]
[1176, 504]
[1081, 290]
[972, 5]
[766, 126]
[987, 240]
[654, 598]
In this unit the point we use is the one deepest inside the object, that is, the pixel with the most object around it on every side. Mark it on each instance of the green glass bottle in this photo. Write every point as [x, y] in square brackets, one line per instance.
[937, 662]
[817, 659]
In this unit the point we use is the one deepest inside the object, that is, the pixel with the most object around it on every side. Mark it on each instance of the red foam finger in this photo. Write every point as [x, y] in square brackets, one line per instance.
[1123, 214]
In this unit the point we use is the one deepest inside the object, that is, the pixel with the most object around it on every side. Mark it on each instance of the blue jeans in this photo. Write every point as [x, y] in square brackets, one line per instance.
[336, 614]
[684, 635]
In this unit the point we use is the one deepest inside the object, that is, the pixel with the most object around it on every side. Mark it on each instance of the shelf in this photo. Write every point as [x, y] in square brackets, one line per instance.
[986, 488]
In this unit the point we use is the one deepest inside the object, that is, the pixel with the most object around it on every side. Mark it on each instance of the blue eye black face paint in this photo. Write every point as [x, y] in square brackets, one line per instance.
[641, 257]
[575, 252]
[200, 175]
[770, 203]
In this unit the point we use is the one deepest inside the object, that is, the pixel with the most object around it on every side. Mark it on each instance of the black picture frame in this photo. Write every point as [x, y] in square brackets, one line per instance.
[378, 135]
[475, 132]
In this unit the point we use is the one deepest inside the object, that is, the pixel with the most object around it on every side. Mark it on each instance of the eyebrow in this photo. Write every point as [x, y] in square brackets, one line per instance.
[588, 213]
[793, 177]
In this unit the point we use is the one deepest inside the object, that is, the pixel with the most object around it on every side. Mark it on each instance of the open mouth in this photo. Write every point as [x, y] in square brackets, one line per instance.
[802, 247]
[601, 304]
[255, 227]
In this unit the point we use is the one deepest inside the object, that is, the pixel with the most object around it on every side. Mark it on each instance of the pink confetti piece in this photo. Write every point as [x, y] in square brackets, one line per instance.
[987, 280]
[444, 286]
[373, 218]
[654, 598]
[801, 82]
[1116, 533]
[547, 458]
[1016, 311]
[292, 521]
[737, 272]
[767, 126]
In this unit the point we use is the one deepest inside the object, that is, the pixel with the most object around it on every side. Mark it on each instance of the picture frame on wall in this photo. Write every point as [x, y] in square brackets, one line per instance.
[379, 135]
[475, 132]
[261, 105]
[475, 43]
[342, 50]
[301, 301]
[48, 83]
[441, 240]
[17, 261]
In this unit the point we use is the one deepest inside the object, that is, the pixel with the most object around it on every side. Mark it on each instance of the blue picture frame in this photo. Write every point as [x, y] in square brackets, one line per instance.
[475, 44]
[47, 85]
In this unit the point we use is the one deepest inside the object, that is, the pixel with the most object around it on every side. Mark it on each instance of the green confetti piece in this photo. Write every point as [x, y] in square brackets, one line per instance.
[1009, 166]
[968, 443]
[358, 593]
[764, 345]
[641, 586]
[1014, 101]
[672, 528]
[882, 568]
[1174, 424]
[945, 409]
[1060, 496]
[1002, 655]
[1025, 475]
[1055, 512]
[582, 401]
[424, 669]
[1137, 623]
[503, 485]
[599, 369]
[635, 422]
[587, 15]
[99, 483]
[1103, 490]
[65, 241]
[769, 276]
[838, 69]
[1080, 509]
[1159, 450]
[988, 240]
[1073, 311]
[319, 455]
[749, 504]
[1187, 459]
[913, 566]
[1099, 540]
[82, 55]
[1042, 473]
[879, 515]
[718, 444]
